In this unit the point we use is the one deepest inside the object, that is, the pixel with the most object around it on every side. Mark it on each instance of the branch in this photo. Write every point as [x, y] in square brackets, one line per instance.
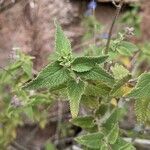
[119, 6]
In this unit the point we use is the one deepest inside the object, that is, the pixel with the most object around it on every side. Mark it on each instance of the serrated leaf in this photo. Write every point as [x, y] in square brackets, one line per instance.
[84, 122]
[75, 91]
[92, 140]
[90, 102]
[97, 89]
[132, 47]
[113, 118]
[97, 74]
[101, 110]
[51, 76]
[127, 48]
[142, 88]
[118, 85]
[122, 145]
[113, 134]
[119, 71]
[104, 146]
[82, 64]
[62, 43]
[142, 110]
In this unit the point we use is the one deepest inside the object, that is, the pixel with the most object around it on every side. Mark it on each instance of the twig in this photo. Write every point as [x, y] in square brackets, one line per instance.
[119, 6]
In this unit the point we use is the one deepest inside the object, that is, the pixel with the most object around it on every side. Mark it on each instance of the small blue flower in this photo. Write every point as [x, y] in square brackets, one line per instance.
[92, 5]
[104, 36]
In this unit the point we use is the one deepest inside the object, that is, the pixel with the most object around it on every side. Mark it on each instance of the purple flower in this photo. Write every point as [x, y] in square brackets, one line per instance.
[104, 36]
[15, 102]
[92, 5]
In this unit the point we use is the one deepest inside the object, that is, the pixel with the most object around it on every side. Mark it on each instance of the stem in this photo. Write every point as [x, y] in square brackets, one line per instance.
[119, 6]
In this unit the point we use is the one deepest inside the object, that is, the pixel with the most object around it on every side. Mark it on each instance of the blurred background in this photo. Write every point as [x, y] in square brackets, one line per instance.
[28, 25]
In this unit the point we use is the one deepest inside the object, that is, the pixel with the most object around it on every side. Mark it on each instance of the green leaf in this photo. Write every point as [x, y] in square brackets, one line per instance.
[104, 146]
[92, 140]
[97, 89]
[142, 88]
[113, 118]
[122, 145]
[142, 110]
[97, 74]
[27, 68]
[84, 122]
[90, 102]
[113, 134]
[62, 43]
[132, 47]
[117, 86]
[119, 71]
[82, 64]
[49, 146]
[127, 48]
[75, 91]
[101, 111]
[51, 76]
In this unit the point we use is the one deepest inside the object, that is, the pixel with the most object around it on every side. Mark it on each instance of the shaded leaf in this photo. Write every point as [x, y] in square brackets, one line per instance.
[97, 89]
[113, 134]
[97, 73]
[122, 145]
[92, 140]
[118, 85]
[119, 71]
[142, 88]
[82, 64]
[90, 102]
[75, 91]
[84, 122]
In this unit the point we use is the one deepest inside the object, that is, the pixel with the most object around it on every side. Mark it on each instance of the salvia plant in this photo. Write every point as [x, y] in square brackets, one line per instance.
[97, 83]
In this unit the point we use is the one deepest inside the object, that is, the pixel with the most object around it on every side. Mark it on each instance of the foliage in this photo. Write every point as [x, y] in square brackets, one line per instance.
[82, 74]
[86, 81]
[17, 104]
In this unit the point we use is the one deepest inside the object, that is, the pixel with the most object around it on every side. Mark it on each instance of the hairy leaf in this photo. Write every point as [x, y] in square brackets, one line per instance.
[92, 140]
[113, 134]
[97, 73]
[118, 85]
[119, 71]
[97, 89]
[62, 43]
[127, 48]
[113, 118]
[90, 102]
[142, 88]
[75, 91]
[142, 110]
[122, 145]
[51, 76]
[84, 122]
[82, 64]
